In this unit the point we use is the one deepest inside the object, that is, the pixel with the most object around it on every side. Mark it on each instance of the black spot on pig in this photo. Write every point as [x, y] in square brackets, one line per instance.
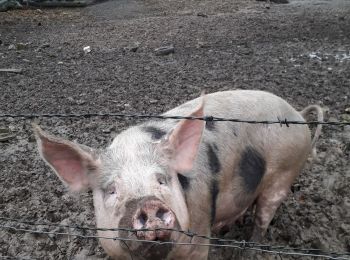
[252, 168]
[155, 132]
[214, 191]
[184, 181]
[210, 125]
[213, 160]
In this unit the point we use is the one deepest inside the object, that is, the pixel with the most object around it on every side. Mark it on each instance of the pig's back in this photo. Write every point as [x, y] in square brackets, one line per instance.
[241, 104]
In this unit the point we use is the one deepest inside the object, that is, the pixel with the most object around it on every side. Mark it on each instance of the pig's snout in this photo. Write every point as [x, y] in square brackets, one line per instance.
[156, 216]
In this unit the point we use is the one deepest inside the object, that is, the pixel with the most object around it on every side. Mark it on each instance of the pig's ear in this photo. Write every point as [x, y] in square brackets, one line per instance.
[72, 164]
[183, 142]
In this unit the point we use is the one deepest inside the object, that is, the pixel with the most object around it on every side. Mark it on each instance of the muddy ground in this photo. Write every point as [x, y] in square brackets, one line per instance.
[299, 51]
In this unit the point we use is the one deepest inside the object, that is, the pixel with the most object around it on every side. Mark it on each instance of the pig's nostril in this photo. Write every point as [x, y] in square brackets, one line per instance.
[160, 213]
[143, 218]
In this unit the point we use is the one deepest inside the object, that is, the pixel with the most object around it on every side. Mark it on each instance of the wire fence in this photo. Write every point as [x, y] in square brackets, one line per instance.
[279, 121]
[210, 241]
[15, 225]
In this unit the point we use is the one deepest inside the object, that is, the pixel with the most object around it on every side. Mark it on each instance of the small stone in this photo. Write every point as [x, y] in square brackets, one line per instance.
[153, 101]
[166, 50]
[345, 117]
[345, 227]
[60, 62]
[5, 134]
[21, 46]
[332, 119]
[134, 47]
[12, 47]
[318, 243]
[202, 44]
[80, 102]
[316, 198]
[87, 49]
[346, 134]
[202, 14]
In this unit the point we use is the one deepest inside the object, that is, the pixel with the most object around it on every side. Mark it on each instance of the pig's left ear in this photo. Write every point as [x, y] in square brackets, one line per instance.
[184, 140]
[72, 163]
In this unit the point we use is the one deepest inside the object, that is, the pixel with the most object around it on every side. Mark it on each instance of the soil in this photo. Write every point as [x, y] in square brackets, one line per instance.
[299, 51]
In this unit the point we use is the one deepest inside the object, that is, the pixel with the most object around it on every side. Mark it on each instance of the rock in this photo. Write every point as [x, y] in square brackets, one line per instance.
[134, 47]
[5, 134]
[21, 46]
[345, 117]
[87, 49]
[202, 44]
[80, 102]
[345, 227]
[346, 134]
[332, 119]
[165, 50]
[202, 14]
[319, 243]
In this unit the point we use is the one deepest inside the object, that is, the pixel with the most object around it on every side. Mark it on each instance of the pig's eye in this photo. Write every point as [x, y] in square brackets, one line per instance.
[110, 190]
[161, 179]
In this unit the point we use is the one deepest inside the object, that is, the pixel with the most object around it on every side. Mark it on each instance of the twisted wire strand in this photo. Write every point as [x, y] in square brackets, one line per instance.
[279, 121]
[281, 250]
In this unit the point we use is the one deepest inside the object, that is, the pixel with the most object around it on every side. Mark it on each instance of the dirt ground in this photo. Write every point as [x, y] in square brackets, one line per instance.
[299, 51]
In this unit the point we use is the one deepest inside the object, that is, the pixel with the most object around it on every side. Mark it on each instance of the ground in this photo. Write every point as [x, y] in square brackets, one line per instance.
[299, 51]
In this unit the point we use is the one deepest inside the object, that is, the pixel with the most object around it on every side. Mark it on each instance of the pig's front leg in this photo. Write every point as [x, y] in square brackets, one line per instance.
[192, 252]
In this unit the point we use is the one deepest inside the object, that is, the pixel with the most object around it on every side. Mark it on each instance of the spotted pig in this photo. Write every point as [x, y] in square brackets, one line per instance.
[187, 174]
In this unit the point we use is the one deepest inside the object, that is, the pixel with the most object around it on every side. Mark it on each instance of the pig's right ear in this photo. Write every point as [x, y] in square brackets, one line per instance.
[72, 164]
[182, 144]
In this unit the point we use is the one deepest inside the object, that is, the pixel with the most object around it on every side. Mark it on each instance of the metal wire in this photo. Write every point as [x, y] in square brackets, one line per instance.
[279, 121]
[219, 242]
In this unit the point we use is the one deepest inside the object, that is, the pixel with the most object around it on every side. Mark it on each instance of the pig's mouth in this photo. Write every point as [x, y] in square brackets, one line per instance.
[153, 222]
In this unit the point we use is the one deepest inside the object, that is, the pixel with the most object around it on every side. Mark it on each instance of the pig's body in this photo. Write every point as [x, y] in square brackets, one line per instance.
[236, 165]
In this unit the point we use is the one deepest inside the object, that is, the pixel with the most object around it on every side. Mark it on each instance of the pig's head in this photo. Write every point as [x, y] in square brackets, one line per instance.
[135, 182]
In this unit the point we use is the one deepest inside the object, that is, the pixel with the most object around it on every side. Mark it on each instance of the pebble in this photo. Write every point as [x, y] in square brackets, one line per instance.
[87, 49]
[202, 15]
[165, 50]
[134, 47]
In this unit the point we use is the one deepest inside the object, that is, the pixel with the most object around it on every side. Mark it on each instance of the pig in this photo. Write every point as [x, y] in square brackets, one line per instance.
[188, 175]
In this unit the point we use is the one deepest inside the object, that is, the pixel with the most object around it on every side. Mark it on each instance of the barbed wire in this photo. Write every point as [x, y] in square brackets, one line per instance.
[279, 121]
[213, 242]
